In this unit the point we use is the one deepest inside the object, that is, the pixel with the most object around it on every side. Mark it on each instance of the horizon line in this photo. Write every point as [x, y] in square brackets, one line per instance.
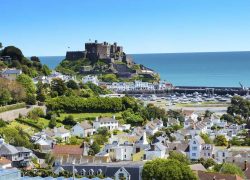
[193, 52]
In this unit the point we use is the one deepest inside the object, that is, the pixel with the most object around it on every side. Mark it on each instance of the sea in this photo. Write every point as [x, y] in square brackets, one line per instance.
[213, 69]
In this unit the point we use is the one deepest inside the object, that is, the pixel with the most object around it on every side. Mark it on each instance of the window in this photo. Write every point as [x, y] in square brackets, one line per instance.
[194, 142]
[91, 172]
[193, 154]
[125, 156]
[99, 172]
[83, 172]
[194, 148]
[208, 154]
[223, 154]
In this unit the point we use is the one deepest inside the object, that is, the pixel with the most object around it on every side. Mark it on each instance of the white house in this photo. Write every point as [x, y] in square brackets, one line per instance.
[157, 150]
[83, 129]
[11, 74]
[153, 126]
[92, 79]
[109, 123]
[59, 132]
[198, 149]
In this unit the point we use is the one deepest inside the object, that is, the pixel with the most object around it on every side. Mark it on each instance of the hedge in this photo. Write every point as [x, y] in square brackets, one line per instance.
[12, 107]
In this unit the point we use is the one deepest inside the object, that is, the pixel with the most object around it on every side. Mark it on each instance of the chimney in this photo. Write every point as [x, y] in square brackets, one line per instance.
[245, 165]
[96, 41]
[96, 119]
[114, 117]
[152, 119]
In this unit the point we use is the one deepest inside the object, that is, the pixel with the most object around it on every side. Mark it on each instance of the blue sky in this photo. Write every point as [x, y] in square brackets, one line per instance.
[48, 27]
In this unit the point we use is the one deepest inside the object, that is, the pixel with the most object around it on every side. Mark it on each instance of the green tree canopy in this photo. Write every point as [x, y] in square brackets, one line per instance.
[58, 86]
[229, 168]
[13, 52]
[169, 169]
[72, 84]
[27, 83]
[5, 96]
[179, 157]
[220, 140]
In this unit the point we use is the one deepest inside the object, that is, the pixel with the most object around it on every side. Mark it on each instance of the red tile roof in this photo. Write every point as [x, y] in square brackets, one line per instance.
[217, 176]
[67, 149]
[4, 161]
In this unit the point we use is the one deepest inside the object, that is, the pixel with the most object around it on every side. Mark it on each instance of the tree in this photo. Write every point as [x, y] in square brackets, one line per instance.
[206, 138]
[27, 83]
[34, 59]
[58, 86]
[46, 70]
[52, 123]
[169, 169]
[132, 118]
[69, 120]
[179, 157]
[109, 78]
[103, 131]
[94, 148]
[229, 168]
[1, 45]
[5, 96]
[208, 114]
[228, 118]
[220, 140]
[3, 123]
[72, 84]
[207, 163]
[36, 113]
[30, 99]
[13, 52]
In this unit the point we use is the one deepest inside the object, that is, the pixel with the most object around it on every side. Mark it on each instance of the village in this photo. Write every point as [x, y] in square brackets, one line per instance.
[202, 137]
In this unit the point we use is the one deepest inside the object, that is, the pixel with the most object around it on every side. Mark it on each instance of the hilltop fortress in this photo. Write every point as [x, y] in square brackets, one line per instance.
[95, 51]
[105, 58]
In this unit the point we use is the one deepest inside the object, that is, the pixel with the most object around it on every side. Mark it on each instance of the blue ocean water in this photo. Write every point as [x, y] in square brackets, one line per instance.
[193, 69]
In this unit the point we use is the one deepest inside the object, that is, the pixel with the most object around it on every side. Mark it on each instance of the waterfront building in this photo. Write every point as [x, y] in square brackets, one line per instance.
[92, 79]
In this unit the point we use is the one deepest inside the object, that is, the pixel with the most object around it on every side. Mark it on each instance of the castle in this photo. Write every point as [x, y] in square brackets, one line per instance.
[95, 51]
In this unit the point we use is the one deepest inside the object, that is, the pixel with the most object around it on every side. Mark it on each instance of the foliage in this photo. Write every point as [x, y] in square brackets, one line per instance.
[16, 90]
[75, 104]
[12, 107]
[36, 113]
[179, 157]
[94, 148]
[46, 70]
[31, 99]
[27, 83]
[228, 118]
[95, 89]
[208, 114]
[239, 106]
[176, 115]
[16, 136]
[13, 52]
[154, 112]
[109, 78]
[103, 131]
[58, 85]
[167, 169]
[206, 138]
[132, 118]
[72, 84]
[5, 96]
[69, 120]
[220, 140]
[52, 123]
[3, 123]
[207, 163]
[229, 168]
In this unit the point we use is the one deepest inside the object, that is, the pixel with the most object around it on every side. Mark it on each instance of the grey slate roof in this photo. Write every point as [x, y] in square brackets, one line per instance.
[7, 149]
[12, 71]
[109, 169]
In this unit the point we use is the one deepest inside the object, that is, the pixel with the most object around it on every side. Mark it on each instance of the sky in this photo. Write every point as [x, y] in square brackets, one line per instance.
[50, 27]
